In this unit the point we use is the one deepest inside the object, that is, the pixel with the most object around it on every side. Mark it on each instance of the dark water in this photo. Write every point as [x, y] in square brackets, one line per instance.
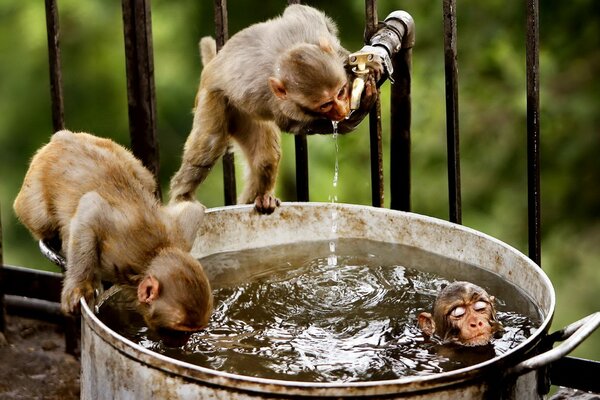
[322, 313]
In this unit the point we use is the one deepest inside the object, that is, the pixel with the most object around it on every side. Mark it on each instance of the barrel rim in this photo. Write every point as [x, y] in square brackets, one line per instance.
[277, 386]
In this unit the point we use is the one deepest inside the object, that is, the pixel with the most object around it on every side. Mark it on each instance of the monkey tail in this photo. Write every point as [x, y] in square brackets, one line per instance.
[208, 49]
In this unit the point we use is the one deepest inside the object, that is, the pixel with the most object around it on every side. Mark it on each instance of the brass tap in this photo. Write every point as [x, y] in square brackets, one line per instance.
[360, 60]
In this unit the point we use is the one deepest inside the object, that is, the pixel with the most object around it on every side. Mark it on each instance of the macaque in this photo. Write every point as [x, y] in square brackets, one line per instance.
[98, 199]
[289, 73]
[463, 313]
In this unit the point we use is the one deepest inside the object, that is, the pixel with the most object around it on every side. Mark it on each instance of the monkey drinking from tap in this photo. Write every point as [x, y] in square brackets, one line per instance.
[289, 73]
[98, 199]
[463, 313]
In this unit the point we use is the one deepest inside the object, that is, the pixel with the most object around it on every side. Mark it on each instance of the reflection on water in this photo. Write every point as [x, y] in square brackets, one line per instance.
[287, 313]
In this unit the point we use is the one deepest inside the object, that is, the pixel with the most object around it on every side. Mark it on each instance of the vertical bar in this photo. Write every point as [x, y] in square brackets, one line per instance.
[222, 33]
[58, 123]
[301, 147]
[533, 131]
[137, 26]
[400, 145]
[301, 152]
[377, 189]
[451, 70]
[2, 308]
[56, 95]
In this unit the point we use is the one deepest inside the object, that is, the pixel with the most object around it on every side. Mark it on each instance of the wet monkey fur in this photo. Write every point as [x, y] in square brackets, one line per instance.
[463, 313]
[282, 74]
[98, 198]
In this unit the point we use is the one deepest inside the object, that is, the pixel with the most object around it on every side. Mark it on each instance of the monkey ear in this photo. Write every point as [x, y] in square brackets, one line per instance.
[147, 290]
[278, 88]
[188, 215]
[325, 45]
[426, 323]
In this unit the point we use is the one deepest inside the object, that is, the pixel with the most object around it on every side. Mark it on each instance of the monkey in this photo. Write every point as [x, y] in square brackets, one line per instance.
[98, 199]
[289, 73]
[463, 313]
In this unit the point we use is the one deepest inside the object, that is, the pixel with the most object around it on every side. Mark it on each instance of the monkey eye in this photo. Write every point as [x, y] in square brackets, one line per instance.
[342, 93]
[480, 305]
[326, 106]
[458, 312]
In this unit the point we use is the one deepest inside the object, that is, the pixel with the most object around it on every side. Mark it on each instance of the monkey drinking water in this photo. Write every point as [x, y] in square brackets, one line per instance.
[289, 73]
[98, 198]
[463, 313]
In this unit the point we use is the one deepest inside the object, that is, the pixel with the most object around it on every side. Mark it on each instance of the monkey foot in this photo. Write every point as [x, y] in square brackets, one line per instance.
[266, 203]
[71, 296]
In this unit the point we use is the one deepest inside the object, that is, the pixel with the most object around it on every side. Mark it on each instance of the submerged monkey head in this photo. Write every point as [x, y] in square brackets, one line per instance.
[463, 313]
[175, 293]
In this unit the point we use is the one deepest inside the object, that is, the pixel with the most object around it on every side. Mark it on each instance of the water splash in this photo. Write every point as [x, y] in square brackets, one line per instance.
[332, 260]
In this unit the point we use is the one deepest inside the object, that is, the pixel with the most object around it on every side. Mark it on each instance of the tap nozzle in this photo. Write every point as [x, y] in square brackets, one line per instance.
[359, 60]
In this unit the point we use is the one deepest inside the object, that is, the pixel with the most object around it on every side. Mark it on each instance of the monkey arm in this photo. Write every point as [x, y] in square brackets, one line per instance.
[82, 275]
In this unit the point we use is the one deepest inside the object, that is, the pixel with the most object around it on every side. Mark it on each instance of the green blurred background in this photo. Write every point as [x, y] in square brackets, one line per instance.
[492, 108]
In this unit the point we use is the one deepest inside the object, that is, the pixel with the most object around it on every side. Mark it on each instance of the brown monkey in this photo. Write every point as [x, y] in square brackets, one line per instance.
[98, 198]
[282, 74]
[463, 313]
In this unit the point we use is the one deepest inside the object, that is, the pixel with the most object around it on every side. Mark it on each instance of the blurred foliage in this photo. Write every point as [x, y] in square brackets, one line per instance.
[492, 105]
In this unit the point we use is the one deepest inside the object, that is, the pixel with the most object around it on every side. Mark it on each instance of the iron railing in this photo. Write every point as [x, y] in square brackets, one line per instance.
[36, 293]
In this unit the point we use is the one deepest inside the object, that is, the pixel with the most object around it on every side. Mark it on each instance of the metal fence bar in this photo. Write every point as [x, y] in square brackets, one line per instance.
[222, 35]
[301, 151]
[137, 27]
[375, 138]
[451, 71]
[400, 138]
[56, 95]
[533, 131]
[2, 283]
[58, 123]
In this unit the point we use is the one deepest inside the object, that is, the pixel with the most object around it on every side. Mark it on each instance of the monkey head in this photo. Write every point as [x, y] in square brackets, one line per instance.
[175, 293]
[463, 313]
[310, 82]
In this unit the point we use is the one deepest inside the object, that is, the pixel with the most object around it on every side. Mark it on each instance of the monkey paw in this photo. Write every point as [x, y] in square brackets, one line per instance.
[71, 296]
[266, 203]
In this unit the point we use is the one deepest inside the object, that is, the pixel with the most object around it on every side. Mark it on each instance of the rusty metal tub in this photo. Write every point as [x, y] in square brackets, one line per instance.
[116, 368]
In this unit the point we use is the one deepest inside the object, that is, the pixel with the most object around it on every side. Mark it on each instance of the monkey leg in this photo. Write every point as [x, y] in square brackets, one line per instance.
[207, 142]
[260, 142]
[83, 264]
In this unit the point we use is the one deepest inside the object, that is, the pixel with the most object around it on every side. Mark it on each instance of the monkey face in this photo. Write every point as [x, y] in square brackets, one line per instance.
[469, 323]
[336, 105]
[463, 313]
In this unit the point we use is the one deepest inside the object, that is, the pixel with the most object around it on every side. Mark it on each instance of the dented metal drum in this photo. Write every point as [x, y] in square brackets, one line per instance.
[116, 368]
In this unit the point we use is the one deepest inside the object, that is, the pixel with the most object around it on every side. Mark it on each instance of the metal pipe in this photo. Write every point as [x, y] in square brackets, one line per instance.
[301, 147]
[393, 41]
[34, 308]
[2, 283]
[56, 94]
[141, 97]
[452, 133]
[375, 136]
[533, 131]
[400, 140]
[301, 153]
[222, 35]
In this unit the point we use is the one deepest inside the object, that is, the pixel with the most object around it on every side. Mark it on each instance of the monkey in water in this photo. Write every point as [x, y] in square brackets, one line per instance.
[98, 199]
[289, 73]
[463, 313]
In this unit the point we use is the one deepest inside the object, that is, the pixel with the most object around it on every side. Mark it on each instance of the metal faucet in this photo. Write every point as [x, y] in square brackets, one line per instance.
[396, 32]
[359, 59]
